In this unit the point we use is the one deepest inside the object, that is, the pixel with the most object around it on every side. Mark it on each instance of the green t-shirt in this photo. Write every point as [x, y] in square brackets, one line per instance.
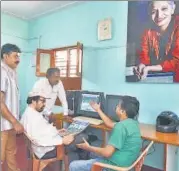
[126, 139]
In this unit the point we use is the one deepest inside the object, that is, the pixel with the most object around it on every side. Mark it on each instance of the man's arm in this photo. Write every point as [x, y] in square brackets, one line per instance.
[45, 134]
[62, 97]
[116, 141]
[107, 121]
[8, 115]
[105, 152]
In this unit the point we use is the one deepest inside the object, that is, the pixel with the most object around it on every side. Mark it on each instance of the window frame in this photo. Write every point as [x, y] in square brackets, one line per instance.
[52, 64]
[70, 83]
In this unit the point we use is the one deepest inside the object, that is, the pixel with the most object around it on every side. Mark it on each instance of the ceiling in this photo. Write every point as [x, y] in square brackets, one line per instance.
[32, 9]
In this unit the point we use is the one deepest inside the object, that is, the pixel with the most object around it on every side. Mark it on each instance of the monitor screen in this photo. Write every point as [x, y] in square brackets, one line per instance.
[86, 99]
[72, 97]
[84, 107]
[111, 102]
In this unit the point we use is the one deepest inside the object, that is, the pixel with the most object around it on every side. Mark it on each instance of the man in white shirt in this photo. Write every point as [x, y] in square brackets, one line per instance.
[39, 129]
[53, 87]
[9, 105]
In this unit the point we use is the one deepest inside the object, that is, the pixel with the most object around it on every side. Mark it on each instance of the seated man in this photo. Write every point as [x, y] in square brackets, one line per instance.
[125, 140]
[39, 129]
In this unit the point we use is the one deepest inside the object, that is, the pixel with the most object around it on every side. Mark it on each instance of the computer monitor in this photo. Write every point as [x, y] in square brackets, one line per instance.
[111, 102]
[72, 97]
[84, 107]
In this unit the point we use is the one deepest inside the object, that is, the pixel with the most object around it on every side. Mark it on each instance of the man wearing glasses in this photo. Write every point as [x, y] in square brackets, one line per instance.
[39, 129]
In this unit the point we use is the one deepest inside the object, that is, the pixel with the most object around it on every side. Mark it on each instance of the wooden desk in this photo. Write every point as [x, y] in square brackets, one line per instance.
[59, 124]
[148, 132]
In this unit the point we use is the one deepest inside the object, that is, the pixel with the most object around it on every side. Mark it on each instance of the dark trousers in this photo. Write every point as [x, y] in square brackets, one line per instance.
[50, 154]
[68, 149]
[78, 139]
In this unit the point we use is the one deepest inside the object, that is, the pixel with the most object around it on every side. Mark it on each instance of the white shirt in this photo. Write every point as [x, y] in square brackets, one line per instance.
[52, 93]
[12, 98]
[39, 130]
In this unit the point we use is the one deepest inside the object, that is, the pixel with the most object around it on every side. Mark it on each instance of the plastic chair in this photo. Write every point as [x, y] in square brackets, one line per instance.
[137, 165]
[40, 164]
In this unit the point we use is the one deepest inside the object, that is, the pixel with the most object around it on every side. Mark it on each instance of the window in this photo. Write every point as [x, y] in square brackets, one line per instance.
[61, 59]
[69, 62]
[67, 59]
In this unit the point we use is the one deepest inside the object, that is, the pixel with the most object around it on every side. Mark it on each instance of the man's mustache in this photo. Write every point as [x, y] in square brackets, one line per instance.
[17, 62]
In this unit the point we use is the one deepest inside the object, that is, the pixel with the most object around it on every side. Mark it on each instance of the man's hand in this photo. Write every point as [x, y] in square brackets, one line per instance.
[84, 145]
[68, 139]
[63, 130]
[18, 127]
[95, 106]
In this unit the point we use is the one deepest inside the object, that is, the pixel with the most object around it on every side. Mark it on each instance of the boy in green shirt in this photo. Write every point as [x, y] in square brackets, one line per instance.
[124, 143]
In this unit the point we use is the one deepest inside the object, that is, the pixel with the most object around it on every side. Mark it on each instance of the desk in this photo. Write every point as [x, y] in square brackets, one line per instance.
[170, 141]
[148, 132]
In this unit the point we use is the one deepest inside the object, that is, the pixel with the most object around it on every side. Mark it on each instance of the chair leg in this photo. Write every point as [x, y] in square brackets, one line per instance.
[66, 162]
[43, 165]
[96, 168]
[36, 164]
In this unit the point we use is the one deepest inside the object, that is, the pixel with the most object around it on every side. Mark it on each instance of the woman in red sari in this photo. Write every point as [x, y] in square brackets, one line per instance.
[160, 44]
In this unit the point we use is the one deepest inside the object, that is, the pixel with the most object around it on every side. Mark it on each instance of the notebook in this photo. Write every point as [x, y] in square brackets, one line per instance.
[76, 127]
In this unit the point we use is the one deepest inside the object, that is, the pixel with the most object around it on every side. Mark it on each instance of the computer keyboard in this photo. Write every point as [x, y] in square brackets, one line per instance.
[93, 121]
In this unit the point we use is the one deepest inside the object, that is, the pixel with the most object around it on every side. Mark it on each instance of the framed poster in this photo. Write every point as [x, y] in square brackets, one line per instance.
[104, 29]
[153, 42]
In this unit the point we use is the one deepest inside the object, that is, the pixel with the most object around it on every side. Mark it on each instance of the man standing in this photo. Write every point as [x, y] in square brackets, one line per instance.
[53, 87]
[9, 105]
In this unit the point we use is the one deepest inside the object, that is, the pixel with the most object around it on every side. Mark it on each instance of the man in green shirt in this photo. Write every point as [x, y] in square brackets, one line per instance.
[125, 141]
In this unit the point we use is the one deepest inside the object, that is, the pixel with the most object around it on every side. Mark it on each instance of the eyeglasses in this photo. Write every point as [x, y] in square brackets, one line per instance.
[43, 100]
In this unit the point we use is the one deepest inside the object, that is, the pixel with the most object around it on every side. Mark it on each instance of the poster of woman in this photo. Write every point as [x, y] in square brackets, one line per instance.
[153, 42]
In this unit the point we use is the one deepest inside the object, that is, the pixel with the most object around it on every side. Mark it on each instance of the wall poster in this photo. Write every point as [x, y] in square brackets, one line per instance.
[153, 42]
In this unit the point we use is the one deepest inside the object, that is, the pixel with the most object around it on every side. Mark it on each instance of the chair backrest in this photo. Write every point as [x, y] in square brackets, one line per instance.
[140, 160]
